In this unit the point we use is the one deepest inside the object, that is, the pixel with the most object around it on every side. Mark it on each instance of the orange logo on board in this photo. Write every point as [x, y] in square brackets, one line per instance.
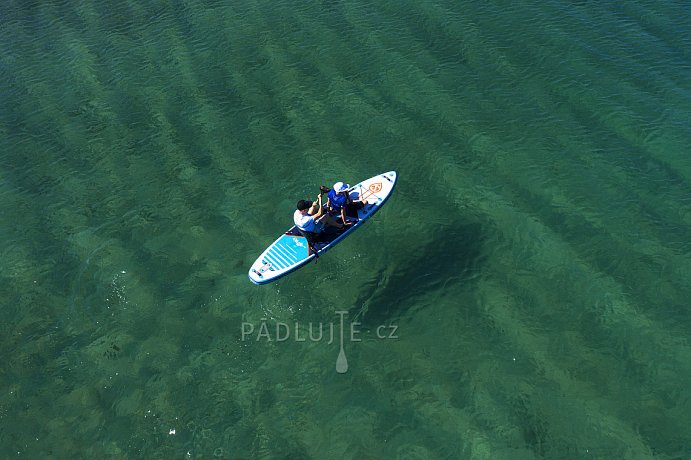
[376, 187]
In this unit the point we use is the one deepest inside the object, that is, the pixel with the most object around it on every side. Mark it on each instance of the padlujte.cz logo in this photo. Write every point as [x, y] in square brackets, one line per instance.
[316, 332]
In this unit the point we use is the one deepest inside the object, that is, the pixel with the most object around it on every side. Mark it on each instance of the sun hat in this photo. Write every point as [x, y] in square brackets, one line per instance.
[340, 187]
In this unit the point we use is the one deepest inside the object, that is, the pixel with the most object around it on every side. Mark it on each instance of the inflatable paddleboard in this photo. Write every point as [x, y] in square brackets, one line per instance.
[292, 250]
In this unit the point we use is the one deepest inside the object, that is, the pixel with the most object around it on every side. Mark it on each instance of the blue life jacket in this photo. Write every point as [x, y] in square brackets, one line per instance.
[337, 200]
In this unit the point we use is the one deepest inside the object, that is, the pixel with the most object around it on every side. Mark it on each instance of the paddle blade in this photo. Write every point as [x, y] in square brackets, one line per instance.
[341, 362]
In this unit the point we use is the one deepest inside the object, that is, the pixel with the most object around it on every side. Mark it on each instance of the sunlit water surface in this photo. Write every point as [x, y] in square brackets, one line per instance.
[524, 293]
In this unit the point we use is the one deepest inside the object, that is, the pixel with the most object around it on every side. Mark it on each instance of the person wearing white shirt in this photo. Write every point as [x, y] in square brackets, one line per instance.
[312, 216]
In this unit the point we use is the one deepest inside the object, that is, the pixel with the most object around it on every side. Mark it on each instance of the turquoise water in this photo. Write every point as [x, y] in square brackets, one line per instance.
[530, 277]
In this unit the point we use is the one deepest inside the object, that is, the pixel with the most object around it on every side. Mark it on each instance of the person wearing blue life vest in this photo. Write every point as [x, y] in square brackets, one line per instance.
[341, 204]
[311, 217]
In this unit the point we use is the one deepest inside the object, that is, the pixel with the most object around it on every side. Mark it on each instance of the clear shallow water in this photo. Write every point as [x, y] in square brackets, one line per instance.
[534, 259]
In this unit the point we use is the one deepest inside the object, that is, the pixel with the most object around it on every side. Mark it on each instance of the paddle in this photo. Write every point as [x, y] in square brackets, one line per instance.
[341, 361]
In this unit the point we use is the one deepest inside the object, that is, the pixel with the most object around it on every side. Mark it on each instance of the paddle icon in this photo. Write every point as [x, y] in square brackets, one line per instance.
[341, 361]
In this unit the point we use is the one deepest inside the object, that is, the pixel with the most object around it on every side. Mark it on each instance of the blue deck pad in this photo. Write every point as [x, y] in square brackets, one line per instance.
[287, 251]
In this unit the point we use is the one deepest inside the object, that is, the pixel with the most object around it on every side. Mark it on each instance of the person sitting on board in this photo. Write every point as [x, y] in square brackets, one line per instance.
[311, 217]
[341, 203]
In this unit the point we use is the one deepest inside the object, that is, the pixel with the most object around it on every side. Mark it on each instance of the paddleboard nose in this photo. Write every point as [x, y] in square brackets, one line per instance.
[390, 176]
